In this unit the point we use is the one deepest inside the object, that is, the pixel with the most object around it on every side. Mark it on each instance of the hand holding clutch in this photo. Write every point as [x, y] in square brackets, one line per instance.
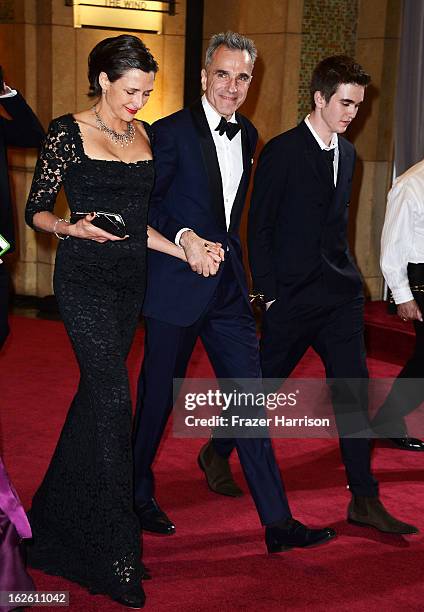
[109, 222]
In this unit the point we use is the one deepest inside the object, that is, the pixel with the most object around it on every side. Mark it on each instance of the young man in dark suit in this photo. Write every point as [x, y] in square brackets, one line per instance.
[301, 264]
[203, 158]
[22, 130]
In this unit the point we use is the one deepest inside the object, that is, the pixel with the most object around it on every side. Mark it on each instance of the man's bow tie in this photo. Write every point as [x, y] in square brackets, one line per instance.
[226, 127]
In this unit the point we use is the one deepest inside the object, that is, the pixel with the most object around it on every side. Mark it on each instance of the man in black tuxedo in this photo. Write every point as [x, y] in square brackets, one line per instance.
[301, 264]
[22, 130]
[203, 157]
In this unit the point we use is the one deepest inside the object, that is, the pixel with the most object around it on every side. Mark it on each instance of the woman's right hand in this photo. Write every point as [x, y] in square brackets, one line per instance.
[85, 229]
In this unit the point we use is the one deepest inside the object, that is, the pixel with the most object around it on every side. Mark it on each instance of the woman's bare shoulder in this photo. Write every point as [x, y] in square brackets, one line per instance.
[85, 116]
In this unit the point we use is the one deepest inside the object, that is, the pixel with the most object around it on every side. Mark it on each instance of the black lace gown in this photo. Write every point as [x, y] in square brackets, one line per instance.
[82, 518]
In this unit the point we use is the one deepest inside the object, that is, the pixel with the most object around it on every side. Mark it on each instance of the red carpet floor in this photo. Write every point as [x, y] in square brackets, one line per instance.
[217, 559]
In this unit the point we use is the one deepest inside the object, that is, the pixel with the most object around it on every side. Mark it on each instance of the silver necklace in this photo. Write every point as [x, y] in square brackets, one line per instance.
[120, 138]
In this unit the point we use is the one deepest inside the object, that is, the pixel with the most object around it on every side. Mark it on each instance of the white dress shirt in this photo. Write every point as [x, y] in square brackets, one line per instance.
[334, 144]
[230, 160]
[402, 240]
[230, 157]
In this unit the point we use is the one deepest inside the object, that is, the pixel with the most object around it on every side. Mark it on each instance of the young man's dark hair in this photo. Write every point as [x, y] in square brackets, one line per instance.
[332, 72]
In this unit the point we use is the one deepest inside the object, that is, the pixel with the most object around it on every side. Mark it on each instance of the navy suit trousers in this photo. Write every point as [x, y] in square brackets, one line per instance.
[227, 330]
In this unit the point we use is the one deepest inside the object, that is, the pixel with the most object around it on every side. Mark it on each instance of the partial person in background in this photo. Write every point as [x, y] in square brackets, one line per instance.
[23, 129]
[301, 264]
[402, 263]
[14, 527]
[82, 515]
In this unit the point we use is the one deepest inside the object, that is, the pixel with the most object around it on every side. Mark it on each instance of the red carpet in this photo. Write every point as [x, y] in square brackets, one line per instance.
[388, 338]
[217, 558]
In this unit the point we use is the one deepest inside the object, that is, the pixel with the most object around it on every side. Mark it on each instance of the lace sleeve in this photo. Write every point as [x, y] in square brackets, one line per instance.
[57, 153]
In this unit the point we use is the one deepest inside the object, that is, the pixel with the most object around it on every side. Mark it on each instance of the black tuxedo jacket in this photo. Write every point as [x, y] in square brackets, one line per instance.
[297, 232]
[23, 130]
[188, 193]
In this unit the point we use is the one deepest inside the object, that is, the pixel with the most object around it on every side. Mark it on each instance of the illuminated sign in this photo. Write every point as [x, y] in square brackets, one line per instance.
[140, 15]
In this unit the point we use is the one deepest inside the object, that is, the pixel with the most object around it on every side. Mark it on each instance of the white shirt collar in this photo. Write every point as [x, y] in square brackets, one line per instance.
[212, 116]
[334, 140]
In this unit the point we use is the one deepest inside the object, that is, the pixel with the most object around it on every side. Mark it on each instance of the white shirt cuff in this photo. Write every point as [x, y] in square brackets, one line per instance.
[403, 295]
[180, 233]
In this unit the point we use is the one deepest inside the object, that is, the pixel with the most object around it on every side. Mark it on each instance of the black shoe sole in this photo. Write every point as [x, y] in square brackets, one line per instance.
[284, 548]
[158, 533]
[404, 448]
[360, 524]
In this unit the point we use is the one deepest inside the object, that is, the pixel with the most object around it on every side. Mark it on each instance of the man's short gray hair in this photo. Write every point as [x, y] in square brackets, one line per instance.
[231, 40]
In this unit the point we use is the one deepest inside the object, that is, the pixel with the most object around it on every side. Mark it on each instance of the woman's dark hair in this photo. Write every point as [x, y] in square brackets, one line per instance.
[332, 72]
[115, 56]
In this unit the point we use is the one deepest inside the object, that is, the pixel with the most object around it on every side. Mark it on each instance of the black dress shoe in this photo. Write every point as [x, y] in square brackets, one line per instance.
[217, 471]
[134, 599]
[293, 534]
[153, 519]
[410, 444]
[370, 512]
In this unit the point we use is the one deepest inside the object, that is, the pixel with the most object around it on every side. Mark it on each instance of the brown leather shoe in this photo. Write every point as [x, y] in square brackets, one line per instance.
[217, 471]
[369, 511]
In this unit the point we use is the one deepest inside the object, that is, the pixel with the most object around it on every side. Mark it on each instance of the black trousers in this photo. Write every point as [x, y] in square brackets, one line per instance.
[336, 333]
[227, 330]
[407, 392]
[4, 303]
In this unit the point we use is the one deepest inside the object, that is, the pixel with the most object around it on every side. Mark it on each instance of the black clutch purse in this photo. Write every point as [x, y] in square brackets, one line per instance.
[107, 221]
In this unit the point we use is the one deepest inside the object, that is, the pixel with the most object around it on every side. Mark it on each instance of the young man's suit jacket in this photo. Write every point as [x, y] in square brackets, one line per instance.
[297, 234]
[188, 193]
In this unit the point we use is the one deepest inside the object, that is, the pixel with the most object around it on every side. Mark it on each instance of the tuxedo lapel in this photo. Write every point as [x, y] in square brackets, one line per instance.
[210, 160]
[244, 181]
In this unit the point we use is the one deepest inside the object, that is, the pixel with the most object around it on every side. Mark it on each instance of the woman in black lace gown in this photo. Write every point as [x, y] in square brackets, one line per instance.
[82, 515]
